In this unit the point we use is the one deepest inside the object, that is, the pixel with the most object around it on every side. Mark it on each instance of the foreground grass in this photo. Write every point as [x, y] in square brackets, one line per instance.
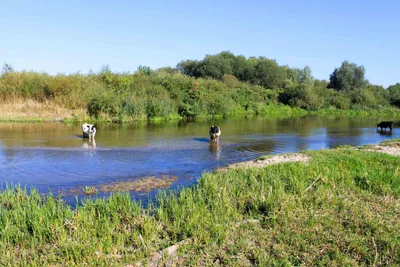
[350, 216]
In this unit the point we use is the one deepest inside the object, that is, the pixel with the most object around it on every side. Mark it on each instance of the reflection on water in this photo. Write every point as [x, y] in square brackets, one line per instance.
[384, 132]
[89, 143]
[215, 149]
[53, 156]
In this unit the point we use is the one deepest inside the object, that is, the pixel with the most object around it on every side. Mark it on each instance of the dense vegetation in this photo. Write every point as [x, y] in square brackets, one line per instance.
[297, 87]
[342, 208]
[218, 85]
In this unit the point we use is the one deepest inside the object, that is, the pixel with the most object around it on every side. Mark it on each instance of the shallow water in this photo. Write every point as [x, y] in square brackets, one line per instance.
[53, 156]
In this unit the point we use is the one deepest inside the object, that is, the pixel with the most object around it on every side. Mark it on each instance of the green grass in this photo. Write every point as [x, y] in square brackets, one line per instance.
[385, 112]
[350, 216]
[89, 190]
[271, 111]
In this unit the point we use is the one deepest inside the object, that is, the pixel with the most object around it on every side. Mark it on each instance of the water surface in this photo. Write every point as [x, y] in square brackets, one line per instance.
[53, 156]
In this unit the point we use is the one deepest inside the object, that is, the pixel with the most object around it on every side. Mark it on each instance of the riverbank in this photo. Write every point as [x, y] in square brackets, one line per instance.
[167, 94]
[338, 207]
[33, 111]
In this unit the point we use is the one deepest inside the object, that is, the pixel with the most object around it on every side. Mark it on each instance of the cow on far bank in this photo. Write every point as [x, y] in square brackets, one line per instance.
[385, 124]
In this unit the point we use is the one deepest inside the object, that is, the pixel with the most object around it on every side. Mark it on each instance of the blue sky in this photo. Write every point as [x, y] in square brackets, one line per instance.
[70, 36]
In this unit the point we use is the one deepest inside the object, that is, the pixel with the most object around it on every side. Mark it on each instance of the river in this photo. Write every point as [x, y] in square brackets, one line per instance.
[53, 157]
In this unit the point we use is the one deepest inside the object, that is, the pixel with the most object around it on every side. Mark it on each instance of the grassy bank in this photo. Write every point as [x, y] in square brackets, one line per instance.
[384, 112]
[31, 111]
[341, 208]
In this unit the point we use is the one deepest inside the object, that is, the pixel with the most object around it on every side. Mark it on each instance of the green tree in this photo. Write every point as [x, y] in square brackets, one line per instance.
[269, 74]
[146, 70]
[292, 75]
[305, 77]
[394, 94]
[348, 77]
[168, 70]
[216, 66]
[302, 93]
[241, 68]
[193, 68]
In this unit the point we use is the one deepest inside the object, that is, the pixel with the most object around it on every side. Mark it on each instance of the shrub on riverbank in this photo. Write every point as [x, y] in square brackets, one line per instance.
[219, 86]
[124, 97]
[339, 209]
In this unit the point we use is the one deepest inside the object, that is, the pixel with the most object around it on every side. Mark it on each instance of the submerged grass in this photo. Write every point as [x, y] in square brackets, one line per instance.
[349, 216]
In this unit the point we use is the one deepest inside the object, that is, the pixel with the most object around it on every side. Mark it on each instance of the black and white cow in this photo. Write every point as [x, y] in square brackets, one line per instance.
[88, 130]
[214, 132]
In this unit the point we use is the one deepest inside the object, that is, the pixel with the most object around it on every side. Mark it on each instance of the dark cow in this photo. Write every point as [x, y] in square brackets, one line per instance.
[385, 124]
[214, 132]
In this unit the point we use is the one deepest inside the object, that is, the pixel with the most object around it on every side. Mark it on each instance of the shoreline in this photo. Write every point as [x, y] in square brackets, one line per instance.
[85, 118]
[32, 111]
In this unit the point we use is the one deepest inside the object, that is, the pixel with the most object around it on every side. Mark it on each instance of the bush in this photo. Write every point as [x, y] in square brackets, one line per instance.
[105, 103]
[167, 93]
[301, 96]
[339, 100]
[394, 94]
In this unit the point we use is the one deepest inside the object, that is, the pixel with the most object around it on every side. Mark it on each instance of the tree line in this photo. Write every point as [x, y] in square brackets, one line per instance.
[350, 88]
[219, 85]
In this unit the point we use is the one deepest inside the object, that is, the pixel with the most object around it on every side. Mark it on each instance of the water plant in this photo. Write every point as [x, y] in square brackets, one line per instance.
[89, 190]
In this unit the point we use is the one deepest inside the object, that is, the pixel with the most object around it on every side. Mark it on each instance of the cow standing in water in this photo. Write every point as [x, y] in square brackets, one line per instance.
[88, 131]
[385, 124]
[214, 132]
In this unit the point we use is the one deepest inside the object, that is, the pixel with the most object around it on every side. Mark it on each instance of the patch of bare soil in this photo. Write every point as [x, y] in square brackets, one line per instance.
[262, 162]
[391, 150]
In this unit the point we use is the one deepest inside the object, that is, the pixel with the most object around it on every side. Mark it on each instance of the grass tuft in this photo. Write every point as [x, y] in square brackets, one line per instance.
[89, 190]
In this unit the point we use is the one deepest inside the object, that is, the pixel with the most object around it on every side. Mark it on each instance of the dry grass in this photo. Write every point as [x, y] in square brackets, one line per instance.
[30, 110]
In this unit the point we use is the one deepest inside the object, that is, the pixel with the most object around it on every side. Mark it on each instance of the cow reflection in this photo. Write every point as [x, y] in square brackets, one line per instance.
[91, 143]
[215, 149]
[383, 132]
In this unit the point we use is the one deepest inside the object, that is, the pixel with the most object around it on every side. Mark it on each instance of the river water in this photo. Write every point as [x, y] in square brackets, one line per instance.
[53, 157]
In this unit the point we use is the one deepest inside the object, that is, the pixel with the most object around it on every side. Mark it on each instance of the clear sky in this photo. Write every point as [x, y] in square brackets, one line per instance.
[70, 36]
